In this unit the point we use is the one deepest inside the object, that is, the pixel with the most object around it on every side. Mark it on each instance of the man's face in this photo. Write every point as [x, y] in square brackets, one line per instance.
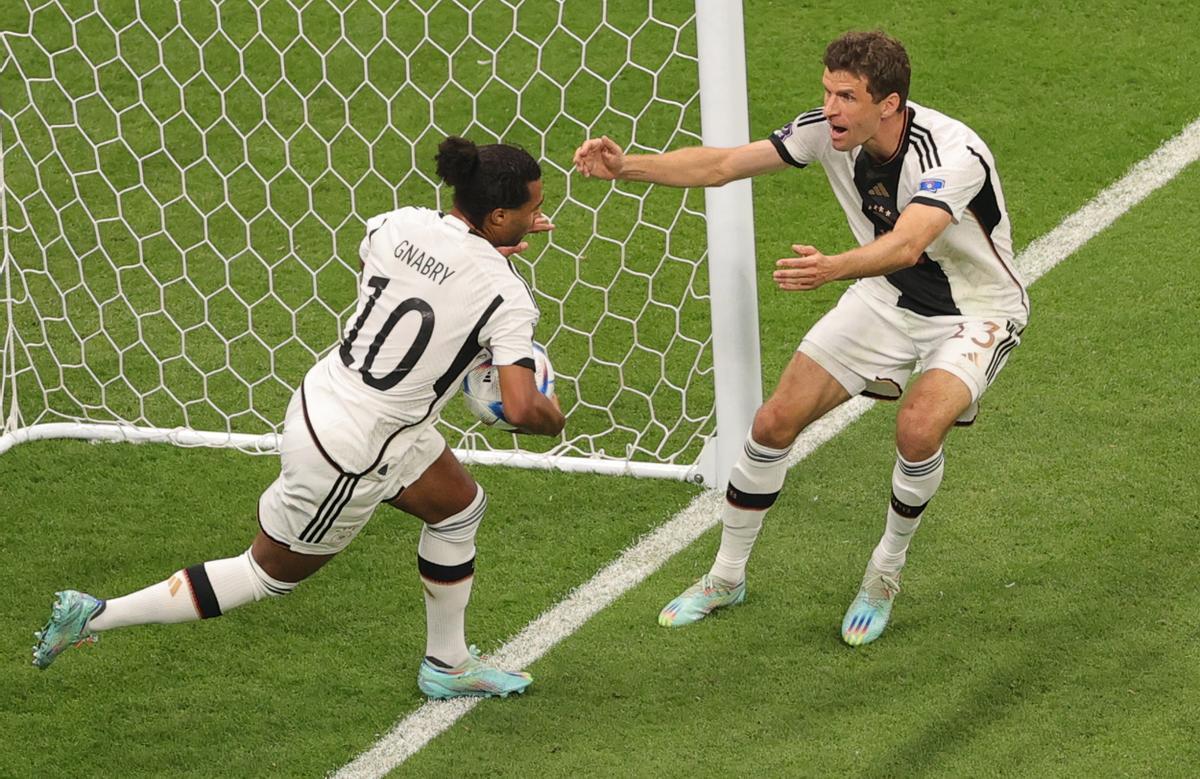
[853, 114]
[514, 223]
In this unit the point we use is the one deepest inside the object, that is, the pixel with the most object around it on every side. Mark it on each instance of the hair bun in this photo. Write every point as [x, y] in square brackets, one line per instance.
[457, 160]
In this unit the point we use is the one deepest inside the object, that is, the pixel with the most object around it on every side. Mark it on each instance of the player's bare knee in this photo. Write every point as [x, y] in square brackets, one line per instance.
[918, 436]
[774, 428]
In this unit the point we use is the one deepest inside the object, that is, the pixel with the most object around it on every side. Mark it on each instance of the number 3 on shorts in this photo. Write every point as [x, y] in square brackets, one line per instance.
[983, 340]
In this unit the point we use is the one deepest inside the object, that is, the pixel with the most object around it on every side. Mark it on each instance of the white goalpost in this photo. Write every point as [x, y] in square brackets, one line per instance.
[183, 187]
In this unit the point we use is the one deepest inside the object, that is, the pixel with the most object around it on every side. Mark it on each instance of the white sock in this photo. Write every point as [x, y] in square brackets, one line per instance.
[913, 485]
[446, 561]
[199, 592]
[754, 484]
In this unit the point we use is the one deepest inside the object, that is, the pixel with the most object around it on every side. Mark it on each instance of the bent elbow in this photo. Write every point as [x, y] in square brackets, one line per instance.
[518, 412]
[911, 254]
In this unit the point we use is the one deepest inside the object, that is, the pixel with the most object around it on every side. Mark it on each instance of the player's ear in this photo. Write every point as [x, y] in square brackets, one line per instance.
[891, 104]
[497, 216]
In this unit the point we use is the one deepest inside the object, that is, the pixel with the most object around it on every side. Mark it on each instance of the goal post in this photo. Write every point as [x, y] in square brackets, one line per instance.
[725, 121]
[183, 188]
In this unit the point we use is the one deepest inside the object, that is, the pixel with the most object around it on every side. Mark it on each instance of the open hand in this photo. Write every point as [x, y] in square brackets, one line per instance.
[508, 251]
[600, 157]
[541, 224]
[808, 270]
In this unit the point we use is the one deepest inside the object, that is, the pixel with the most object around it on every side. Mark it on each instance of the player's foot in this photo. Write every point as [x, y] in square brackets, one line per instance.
[67, 626]
[476, 677]
[868, 614]
[697, 602]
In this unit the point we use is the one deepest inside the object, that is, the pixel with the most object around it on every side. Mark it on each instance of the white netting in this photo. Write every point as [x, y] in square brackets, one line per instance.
[185, 187]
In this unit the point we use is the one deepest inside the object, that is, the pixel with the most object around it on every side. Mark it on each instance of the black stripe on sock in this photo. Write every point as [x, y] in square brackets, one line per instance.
[474, 518]
[923, 468]
[445, 574]
[750, 500]
[758, 455]
[202, 592]
[905, 510]
[274, 589]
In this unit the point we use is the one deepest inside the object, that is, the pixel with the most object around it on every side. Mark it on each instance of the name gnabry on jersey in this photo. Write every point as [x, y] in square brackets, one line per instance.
[417, 329]
[423, 263]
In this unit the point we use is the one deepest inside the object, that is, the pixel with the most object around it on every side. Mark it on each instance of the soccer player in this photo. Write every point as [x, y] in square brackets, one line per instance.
[936, 287]
[436, 290]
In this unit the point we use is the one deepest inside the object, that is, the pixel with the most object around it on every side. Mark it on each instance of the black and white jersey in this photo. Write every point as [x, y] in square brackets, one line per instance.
[432, 297]
[968, 270]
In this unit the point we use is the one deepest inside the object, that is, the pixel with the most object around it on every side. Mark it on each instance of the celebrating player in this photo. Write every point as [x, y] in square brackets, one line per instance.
[936, 287]
[436, 290]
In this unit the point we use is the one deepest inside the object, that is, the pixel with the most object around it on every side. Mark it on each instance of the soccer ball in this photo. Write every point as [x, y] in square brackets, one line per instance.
[481, 388]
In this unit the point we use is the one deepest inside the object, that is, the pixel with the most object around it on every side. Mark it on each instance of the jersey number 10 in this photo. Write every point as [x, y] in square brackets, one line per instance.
[466, 353]
[379, 284]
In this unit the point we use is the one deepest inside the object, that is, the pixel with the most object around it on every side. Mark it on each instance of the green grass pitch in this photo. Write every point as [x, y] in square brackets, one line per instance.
[1049, 624]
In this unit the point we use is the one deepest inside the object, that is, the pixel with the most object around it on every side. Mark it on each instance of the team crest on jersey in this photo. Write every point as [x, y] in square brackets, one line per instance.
[930, 185]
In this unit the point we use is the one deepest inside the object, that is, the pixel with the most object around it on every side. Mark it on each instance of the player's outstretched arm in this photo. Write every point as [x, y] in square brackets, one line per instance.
[696, 166]
[524, 406]
[916, 228]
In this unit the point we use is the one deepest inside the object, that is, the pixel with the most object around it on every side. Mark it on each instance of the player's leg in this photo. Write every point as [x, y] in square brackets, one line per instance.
[931, 407]
[934, 404]
[805, 392]
[452, 505]
[202, 591]
[961, 359]
[274, 564]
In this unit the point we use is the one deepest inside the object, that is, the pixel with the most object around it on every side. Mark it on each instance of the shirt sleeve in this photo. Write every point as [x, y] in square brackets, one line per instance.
[373, 224]
[952, 186]
[509, 334]
[803, 139]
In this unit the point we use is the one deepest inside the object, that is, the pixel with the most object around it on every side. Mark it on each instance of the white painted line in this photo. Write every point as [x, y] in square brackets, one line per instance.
[1080, 227]
[649, 554]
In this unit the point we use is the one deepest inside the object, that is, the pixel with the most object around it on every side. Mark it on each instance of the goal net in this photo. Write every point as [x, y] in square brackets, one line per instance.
[184, 187]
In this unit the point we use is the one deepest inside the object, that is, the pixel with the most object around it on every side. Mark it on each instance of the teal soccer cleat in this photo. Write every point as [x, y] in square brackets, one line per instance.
[476, 678]
[67, 626]
[869, 613]
[698, 601]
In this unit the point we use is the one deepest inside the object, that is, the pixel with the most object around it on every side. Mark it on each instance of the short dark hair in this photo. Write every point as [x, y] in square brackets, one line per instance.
[486, 177]
[875, 56]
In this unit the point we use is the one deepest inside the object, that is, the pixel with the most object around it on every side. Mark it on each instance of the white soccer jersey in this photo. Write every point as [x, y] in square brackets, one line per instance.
[968, 270]
[432, 296]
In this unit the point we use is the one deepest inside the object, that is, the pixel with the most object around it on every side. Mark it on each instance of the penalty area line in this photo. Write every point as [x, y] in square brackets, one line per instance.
[639, 561]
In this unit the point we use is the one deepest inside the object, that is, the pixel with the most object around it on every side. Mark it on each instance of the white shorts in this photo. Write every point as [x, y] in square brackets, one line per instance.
[872, 348]
[315, 507]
